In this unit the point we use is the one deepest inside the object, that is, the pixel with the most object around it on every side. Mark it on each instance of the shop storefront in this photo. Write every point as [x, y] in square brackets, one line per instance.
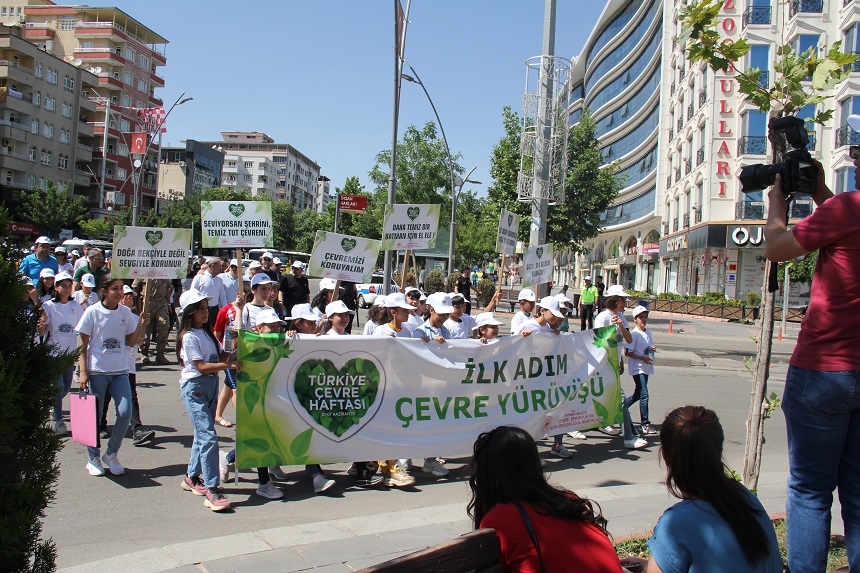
[699, 261]
[628, 263]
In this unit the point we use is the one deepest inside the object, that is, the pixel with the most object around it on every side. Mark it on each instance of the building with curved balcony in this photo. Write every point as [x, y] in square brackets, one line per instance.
[681, 134]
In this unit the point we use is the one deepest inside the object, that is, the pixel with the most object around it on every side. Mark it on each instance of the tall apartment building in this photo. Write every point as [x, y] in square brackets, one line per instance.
[682, 133]
[125, 56]
[189, 169]
[323, 193]
[44, 127]
[254, 161]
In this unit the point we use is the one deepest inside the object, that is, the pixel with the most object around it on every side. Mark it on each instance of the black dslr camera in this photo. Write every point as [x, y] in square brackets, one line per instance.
[799, 174]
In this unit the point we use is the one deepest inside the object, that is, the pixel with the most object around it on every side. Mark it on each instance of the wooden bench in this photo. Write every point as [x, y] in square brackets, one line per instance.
[477, 551]
[509, 295]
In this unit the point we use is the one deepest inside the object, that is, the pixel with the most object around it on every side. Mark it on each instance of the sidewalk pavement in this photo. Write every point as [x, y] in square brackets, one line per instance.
[343, 545]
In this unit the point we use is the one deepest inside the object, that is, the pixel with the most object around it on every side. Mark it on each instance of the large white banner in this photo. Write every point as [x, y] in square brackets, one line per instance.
[343, 257]
[509, 225]
[537, 265]
[410, 227]
[236, 224]
[149, 253]
[338, 399]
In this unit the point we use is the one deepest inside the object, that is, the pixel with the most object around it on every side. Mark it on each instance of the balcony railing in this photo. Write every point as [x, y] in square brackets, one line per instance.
[680, 124]
[698, 217]
[752, 145]
[686, 220]
[671, 134]
[812, 6]
[811, 145]
[690, 111]
[665, 229]
[764, 79]
[756, 15]
[681, 73]
[677, 174]
[688, 165]
[669, 181]
[675, 225]
[673, 87]
[854, 66]
[847, 136]
[703, 97]
[801, 208]
[749, 210]
[700, 155]
[84, 146]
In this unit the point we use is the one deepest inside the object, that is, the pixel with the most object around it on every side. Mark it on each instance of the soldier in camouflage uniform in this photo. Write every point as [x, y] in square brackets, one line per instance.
[160, 291]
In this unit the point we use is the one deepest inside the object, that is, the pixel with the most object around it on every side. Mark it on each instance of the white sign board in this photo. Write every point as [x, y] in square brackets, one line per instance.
[236, 224]
[343, 257]
[537, 265]
[410, 227]
[149, 253]
[506, 240]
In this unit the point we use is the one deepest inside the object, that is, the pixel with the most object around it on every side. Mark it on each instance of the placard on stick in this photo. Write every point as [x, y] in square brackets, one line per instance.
[149, 253]
[236, 224]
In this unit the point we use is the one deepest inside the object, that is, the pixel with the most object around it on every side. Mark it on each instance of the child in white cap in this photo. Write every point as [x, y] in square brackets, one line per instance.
[87, 295]
[486, 328]
[459, 324]
[527, 301]
[45, 286]
[640, 364]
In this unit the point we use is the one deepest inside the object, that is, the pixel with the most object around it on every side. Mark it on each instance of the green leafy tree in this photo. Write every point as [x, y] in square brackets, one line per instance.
[283, 220]
[53, 209]
[476, 229]
[790, 93]
[28, 445]
[369, 224]
[96, 228]
[305, 226]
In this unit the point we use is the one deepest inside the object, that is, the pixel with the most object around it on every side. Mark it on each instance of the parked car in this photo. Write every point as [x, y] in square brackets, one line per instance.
[368, 292]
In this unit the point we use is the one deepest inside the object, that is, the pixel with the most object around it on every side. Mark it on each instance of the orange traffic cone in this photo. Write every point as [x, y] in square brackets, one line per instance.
[780, 334]
[671, 322]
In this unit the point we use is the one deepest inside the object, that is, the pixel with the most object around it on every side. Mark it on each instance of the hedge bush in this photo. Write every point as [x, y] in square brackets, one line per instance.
[449, 282]
[486, 290]
[434, 282]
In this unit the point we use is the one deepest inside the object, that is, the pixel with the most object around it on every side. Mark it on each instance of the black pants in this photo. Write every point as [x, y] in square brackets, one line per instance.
[586, 315]
[135, 406]
[213, 314]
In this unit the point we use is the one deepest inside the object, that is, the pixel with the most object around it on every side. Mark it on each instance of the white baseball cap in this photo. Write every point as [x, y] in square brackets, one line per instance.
[88, 280]
[327, 284]
[261, 279]
[46, 273]
[254, 265]
[276, 261]
[303, 311]
[128, 290]
[440, 302]
[234, 263]
[190, 297]
[337, 307]
[380, 300]
[76, 253]
[527, 294]
[615, 290]
[269, 316]
[42, 241]
[297, 265]
[62, 276]
[485, 319]
[587, 278]
[639, 309]
[60, 249]
[397, 300]
[458, 296]
[551, 304]
[266, 256]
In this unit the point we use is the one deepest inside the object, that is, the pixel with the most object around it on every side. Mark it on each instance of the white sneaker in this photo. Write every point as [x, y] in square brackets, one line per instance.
[577, 435]
[560, 451]
[60, 428]
[113, 464]
[223, 467]
[322, 483]
[433, 466]
[94, 466]
[269, 491]
[277, 473]
[610, 430]
[635, 443]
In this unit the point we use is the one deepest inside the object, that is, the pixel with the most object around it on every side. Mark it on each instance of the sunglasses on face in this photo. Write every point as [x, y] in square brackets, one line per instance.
[854, 151]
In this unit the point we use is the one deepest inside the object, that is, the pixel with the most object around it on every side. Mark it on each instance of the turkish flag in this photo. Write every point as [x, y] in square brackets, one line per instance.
[138, 143]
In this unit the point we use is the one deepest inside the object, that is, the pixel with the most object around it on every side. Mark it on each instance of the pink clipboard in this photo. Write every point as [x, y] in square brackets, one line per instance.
[82, 412]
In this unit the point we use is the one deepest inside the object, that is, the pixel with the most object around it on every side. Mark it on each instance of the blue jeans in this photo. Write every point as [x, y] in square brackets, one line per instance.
[64, 384]
[120, 390]
[641, 394]
[200, 396]
[627, 425]
[822, 417]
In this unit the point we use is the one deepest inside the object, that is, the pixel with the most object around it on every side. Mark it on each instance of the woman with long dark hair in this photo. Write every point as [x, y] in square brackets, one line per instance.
[719, 522]
[541, 528]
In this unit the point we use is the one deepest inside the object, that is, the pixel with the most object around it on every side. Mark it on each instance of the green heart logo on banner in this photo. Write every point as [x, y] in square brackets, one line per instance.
[236, 208]
[413, 212]
[510, 220]
[337, 400]
[539, 252]
[347, 244]
[154, 237]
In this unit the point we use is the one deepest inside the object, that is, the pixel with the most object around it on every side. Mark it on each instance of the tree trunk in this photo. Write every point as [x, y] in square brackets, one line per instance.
[755, 420]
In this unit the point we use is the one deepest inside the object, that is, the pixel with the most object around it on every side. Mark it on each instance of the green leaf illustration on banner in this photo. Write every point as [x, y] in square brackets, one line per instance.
[257, 444]
[413, 212]
[347, 244]
[120, 232]
[301, 443]
[154, 237]
[256, 355]
[262, 206]
[236, 209]
[601, 412]
[251, 396]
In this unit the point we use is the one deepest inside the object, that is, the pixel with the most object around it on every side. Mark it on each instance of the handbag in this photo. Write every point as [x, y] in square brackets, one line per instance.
[531, 529]
[82, 414]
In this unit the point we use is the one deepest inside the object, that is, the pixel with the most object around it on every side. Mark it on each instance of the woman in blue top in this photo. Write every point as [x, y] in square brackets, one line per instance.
[719, 526]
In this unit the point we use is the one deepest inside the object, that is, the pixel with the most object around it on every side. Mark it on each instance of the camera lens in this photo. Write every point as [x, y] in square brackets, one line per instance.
[758, 176]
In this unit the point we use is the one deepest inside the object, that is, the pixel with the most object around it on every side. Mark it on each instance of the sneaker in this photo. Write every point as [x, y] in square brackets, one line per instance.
[610, 430]
[94, 466]
[269, 491]
[215, 499]
[277, 473]
[577, 435]
[223, 466]
[146, 360]
[113, 464]
[60, 428]
[398, 477]
[322, 483]
[433, 466]
[367, 479]
[353, 470]
[560, 451]
[635, 443]
[647, 430]
[104, 434]
[141, 436]
[193, 484]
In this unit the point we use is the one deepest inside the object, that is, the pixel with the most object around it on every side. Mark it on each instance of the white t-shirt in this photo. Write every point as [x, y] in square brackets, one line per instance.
[212, 287]
[414, 322]
[533, 325]
[84, 299]
[81, 262]
[462, 329]
[642, 341]
[66, 267]
[61, 320]
[249, 315]
[197, 345]
[386, 330]
[605, 319]
[517, 322]
[107, 329]
[370, 328]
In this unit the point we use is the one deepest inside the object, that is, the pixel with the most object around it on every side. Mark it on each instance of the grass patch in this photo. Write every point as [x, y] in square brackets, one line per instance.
[837, 556]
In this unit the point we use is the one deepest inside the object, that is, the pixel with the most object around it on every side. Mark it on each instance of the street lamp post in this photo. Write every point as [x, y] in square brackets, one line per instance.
[455, 194]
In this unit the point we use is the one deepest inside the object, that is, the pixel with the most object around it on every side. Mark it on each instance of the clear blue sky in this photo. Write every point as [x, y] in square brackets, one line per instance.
[319, 75]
